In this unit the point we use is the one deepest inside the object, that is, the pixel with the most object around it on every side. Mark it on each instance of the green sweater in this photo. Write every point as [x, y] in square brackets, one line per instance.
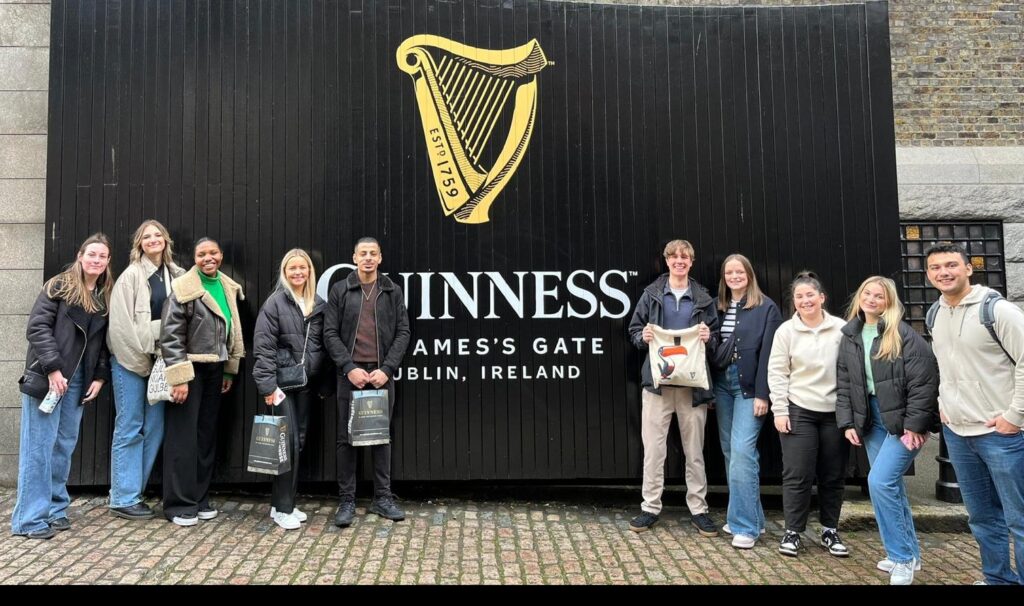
[216, 290]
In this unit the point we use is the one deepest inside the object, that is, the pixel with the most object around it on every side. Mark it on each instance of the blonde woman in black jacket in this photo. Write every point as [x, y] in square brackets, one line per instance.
[67, 356]
[887, 400]
[289, 331]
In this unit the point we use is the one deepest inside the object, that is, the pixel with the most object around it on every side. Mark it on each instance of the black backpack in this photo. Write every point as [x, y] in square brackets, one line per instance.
[986, 315]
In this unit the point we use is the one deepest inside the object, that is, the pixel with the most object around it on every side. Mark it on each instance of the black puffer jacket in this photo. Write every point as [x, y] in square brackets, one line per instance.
[62, 337]
[342, 317]
[649, 310]
[907, 388]
[280, 337]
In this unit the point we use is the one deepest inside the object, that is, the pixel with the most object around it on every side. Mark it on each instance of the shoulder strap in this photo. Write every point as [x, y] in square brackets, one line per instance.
[929, 318]
[987, 317]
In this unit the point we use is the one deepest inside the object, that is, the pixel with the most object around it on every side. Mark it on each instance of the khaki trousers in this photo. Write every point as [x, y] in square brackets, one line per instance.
[655, 419]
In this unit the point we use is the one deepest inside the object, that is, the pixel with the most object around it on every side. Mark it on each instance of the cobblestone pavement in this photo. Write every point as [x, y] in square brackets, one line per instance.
[446, 541]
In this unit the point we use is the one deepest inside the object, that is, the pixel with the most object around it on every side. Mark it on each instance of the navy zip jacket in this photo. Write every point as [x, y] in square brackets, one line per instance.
[752, 343]
[649, 309]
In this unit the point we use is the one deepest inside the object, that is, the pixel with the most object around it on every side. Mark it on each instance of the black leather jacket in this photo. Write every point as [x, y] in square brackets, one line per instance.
[63, 337]
[193, 328]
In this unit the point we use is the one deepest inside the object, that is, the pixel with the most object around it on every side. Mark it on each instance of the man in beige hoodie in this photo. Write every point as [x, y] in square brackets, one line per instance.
[981, 402]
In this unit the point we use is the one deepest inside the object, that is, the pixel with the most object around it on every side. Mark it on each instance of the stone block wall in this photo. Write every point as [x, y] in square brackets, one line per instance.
[24, 82]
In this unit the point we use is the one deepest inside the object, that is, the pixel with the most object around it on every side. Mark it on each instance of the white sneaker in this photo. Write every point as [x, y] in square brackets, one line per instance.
[207, 514]
[183, 521]
[887, 565]
[287, 521]
[742, 541]
[295, 512]
[902, 574]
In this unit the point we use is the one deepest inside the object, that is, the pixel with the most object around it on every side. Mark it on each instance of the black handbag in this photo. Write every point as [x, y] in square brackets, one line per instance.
[724, 354]
[290, 378]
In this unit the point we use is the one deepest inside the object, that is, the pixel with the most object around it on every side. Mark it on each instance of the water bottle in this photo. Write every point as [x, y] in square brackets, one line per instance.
[50, 402]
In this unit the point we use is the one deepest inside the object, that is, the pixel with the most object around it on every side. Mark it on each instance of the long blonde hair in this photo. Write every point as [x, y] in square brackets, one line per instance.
[753, 295]
[137, 253]
[309, 288]
[892, 344]
[69, 285]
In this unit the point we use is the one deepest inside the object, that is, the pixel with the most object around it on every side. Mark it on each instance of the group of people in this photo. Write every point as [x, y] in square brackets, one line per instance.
[86, 330]
[868, 380]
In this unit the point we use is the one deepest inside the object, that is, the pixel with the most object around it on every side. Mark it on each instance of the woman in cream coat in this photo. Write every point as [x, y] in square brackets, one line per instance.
[132, 338]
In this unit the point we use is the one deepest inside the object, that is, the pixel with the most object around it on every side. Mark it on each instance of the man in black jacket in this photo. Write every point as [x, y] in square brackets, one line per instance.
[366, 332]
[674, 301]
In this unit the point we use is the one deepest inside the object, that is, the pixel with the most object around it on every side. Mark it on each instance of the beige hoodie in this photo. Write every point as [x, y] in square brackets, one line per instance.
[802, 365]
[976, 380]
[132, 333]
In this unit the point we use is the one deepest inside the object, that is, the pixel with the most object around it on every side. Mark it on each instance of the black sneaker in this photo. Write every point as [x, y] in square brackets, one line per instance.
[386, 508]
[704, 525]
[830, 540]
[138, 511]
[346, 512]
[643, 522]
[60, 524]
[42, 534]
[790, 543]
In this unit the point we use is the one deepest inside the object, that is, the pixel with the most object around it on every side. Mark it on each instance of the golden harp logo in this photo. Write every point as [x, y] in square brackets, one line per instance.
[466, 95]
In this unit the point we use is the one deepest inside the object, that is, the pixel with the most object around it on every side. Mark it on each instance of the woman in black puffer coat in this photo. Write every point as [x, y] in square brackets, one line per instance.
[289, 331]
[887, 400]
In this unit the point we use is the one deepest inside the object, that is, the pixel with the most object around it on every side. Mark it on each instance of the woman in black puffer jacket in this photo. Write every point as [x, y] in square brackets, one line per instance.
[289, 331]
[887, 400]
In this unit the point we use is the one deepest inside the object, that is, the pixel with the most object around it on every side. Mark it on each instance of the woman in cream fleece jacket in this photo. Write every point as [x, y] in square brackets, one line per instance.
[802, 385]
[134, 330]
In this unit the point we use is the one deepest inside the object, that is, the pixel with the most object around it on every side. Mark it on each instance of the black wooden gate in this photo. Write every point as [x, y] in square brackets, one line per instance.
[270, 124]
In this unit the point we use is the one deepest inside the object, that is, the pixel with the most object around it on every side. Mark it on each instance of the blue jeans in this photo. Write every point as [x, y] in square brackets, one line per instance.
[138, 433]
[890, 459]
[990, 470]
[44, 459]
[738, 430]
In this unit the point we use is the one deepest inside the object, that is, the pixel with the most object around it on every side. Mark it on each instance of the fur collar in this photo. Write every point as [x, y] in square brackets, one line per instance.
[189, 287]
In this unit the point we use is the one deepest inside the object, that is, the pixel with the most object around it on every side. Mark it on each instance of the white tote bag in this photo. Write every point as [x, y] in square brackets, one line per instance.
[157, 389]
[677, 358]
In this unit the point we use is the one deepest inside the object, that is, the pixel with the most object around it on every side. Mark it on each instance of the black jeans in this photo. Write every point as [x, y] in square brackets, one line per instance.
[296, 408]
[190, 443]
[813, 449]
[347, 453]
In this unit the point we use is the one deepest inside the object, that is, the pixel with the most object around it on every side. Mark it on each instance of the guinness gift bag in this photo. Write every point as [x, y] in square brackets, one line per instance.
[677, 358]
[369, 418]
[268, 448]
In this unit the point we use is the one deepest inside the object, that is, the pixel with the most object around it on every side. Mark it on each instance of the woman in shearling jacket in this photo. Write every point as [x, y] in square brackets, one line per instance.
[887, 400]
[66, 355]
[201, 343]
[289, 331]
[748, 320]
[136, 304]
